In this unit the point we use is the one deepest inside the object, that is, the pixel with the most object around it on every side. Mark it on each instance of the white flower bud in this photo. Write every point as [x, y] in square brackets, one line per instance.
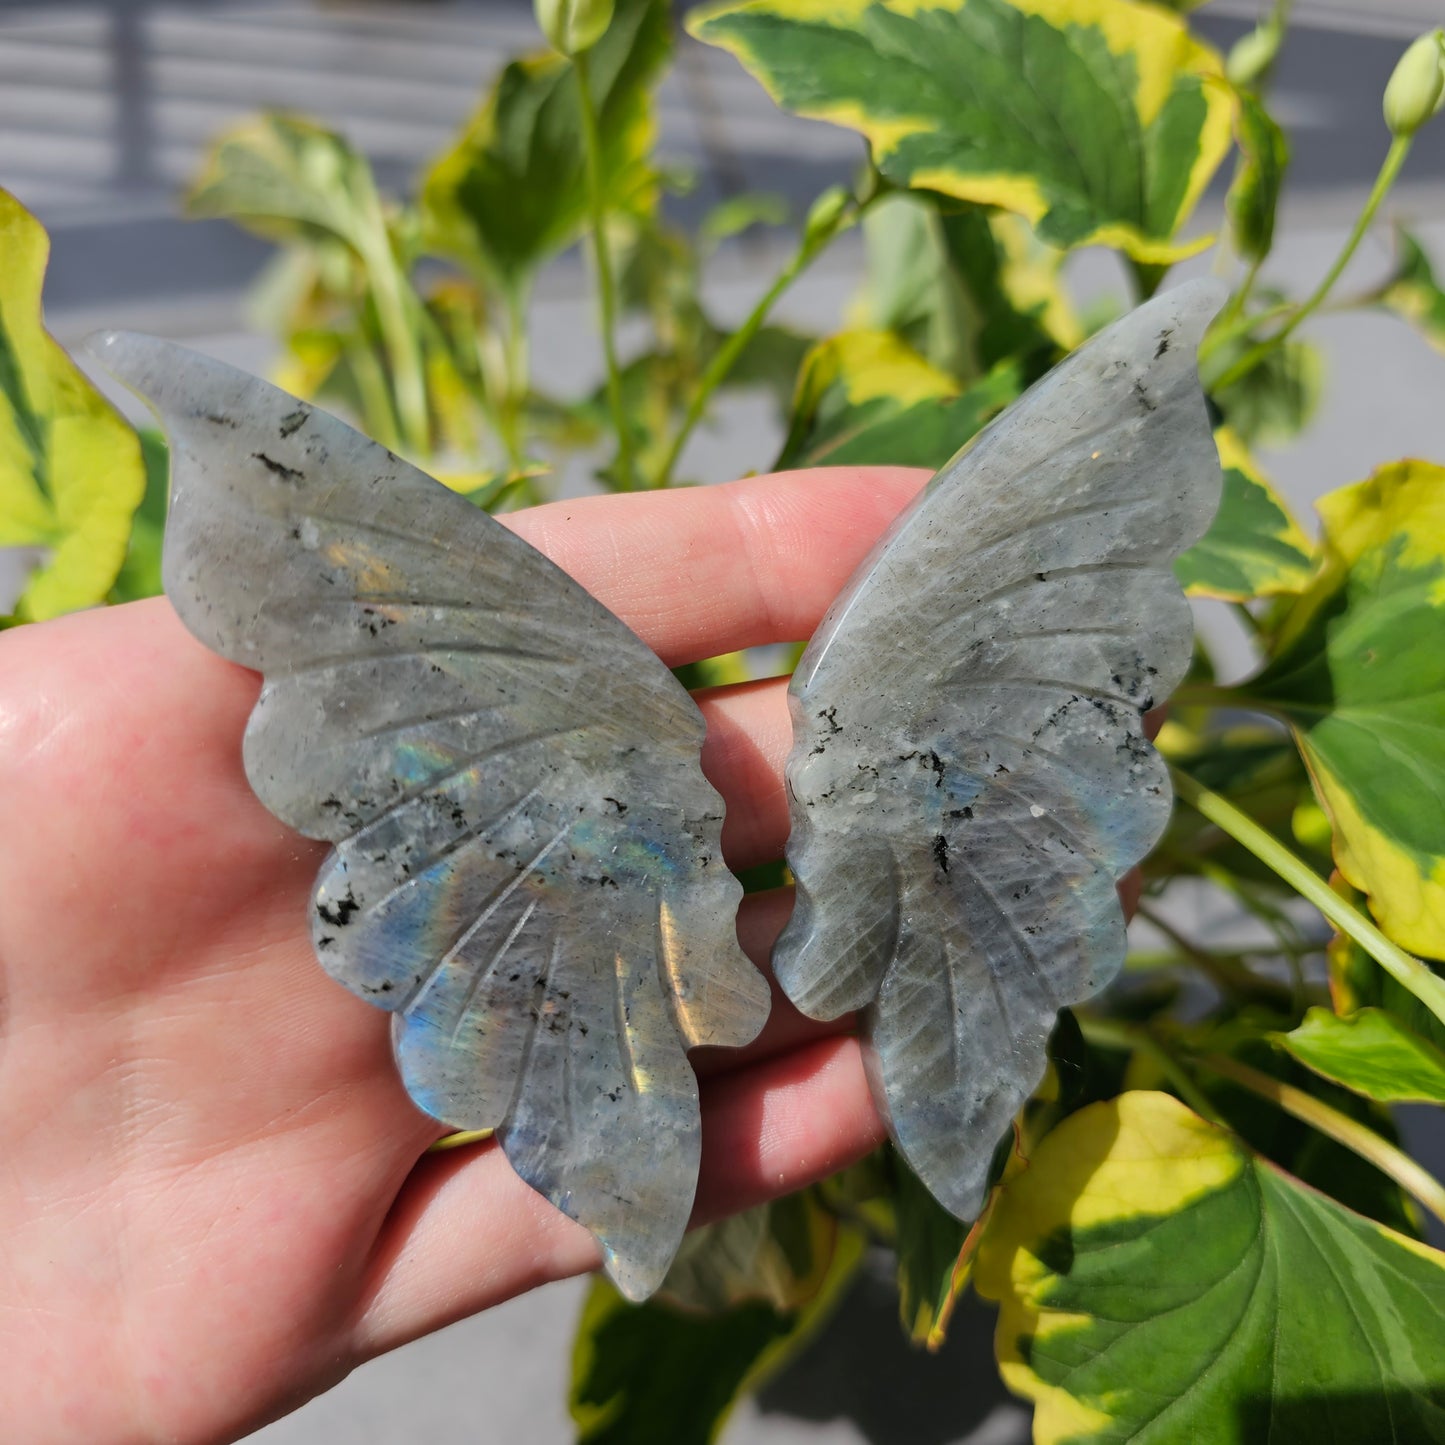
[1417, 88]
[573, 26]
[1252, 55]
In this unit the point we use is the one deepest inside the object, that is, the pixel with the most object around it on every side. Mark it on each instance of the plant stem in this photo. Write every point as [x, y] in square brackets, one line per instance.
[1204, 694]
[1147, 277]
[606, 287]
[1115, 1034]
[1223, 331]
[1235, 309]
[1247, 619]
[515, 379]
[1394, 159]
[460, 1140]
[726, 356]
[1358, 1138]
[1401, 966]
[1229, 973]
[377, 410]
[391, 292]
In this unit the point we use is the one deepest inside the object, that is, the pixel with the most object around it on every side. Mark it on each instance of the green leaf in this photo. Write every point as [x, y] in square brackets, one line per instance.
[295, 182]
[1360, 674]
[71, 475]
[866, 397]
[1254, 547]
[1253, 197]
[964, 287]
[1358, 982]
[1414, 292]
[929, 1243]
[779, 1253]
[1277, 399]
[660, 1374]
[651, 1373]
[1313, 1158]
[140, 574]
[289, 179]
[512, 192]
[1101, 121]
[741, 213]
[1371, 1052]
[1158, 1282]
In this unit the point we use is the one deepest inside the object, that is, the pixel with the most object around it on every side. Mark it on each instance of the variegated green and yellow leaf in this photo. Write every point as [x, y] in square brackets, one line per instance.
[1160, 1283]
[511, 191]
[779, 1253]
[288, 178]
[1101, 121]
[1371, 1052]
[1254, 547]
[1357, 981]
[966, 286]
[671, 1370]
[1258, 179]
[1359, 671]
[1277, 400]
[1414, 292]
[71, 475]
[866, 397]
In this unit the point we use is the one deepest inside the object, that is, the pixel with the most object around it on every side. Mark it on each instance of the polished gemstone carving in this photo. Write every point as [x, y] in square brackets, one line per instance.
[969, 776]
[527, 870]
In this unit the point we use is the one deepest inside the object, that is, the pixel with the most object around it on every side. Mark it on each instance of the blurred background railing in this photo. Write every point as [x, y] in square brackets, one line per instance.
[106, 106]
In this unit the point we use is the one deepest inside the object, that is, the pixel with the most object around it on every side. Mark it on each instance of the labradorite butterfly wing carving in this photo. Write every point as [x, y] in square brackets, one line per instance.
[527, 870]
[970, 777]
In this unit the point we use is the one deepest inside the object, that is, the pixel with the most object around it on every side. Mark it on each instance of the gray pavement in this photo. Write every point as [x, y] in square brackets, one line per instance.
[104, 108]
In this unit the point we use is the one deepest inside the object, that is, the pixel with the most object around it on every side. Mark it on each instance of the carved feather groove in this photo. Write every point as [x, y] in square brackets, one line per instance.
[482, 899]
[902, 731]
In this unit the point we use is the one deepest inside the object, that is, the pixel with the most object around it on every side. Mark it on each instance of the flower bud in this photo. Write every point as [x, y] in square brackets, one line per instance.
[1253, 54]
[1417, 88]
[824, 213]
[573, 26]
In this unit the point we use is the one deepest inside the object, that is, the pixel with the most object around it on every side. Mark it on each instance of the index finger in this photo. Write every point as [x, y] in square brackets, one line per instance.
[704, 570]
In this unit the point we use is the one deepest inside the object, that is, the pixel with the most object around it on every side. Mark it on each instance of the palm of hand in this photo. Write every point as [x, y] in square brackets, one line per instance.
[215, 1199]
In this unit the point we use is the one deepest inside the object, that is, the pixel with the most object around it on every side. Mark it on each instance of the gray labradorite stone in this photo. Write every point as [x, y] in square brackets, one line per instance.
[527, 870]
[969, 776]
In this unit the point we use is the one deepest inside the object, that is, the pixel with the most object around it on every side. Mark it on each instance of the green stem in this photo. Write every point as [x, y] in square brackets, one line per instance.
[1407, 970]
[1115, 1034]
[460, 1140]
[389, 289]
[1204, 694]
[1230, 974]
[1235, 309]
[1223, 332]
[726, 356]
[515, 383]
[1358, 1138]
[1394, 159]
[606, 287]
[376, 405]
[1147, 277]
[1248, 620]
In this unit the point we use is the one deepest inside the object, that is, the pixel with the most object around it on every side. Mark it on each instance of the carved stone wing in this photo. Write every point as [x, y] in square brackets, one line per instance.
[969, 777]
[527, 870]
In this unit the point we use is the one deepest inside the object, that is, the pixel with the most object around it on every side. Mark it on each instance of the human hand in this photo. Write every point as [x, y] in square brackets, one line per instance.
[216, 1198]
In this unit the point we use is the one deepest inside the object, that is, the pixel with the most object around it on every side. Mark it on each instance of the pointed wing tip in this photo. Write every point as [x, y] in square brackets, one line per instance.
[131, 357]
[110, 347]
[1194, 303]
[99, 343]
[636, 1279]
